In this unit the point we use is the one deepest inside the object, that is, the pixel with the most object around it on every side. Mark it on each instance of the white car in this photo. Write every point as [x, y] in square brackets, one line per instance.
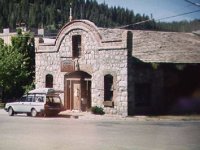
[43, 101]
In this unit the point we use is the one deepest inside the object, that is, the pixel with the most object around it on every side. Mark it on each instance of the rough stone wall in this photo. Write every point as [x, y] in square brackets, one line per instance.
[110, 51]
[7, 37]
[113, 62]
[108, 57]
[49, 63]
[99, 63]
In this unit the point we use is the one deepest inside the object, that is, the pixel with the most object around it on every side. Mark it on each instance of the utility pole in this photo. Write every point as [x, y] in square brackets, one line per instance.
[70, 13]
[196, 4]
[81, 11]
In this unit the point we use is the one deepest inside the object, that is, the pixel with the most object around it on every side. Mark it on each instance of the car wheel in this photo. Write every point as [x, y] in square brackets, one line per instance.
[45, 115]
[33, 112]
[55, 114]
[10, 111]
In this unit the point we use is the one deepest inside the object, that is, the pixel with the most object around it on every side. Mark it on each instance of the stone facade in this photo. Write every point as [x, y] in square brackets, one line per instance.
[101, 54]
[134, 60]
[7, 37]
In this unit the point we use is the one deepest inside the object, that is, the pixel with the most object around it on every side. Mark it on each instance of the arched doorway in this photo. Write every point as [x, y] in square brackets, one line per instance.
[77, 91]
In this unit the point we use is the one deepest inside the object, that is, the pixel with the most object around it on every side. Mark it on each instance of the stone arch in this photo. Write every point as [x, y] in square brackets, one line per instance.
[111, 72]
[78, 74]
[84, 25]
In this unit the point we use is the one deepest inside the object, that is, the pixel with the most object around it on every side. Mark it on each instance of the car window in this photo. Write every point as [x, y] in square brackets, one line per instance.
[23, 99]
[39, 99]
[53, 99]
[30, 99]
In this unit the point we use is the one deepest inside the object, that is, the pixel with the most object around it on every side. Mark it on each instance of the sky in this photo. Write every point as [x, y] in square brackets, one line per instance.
[159, 8]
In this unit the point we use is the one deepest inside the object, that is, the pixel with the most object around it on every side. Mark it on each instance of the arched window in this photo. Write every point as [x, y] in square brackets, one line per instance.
[76, 46]
[108, 87]
[49, 81]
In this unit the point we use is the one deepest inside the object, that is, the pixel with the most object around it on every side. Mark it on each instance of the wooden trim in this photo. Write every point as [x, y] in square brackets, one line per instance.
[111, 48]
[67, 66]
[73, 79]
[37, 52]
[108, 103]
[112, 40]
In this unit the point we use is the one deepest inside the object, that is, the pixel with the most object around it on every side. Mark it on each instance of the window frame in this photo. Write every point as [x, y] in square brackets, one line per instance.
[108, 90]
[49, 84]
[76, 46]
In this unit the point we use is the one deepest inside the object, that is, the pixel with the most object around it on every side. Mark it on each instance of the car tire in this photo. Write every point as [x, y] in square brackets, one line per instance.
[10, 111]
[45, 115]
[33, 112]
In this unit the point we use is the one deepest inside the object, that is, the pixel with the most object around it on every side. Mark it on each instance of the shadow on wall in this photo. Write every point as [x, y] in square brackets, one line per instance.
[185, 106]
[185, 91]
[161, 88]
[172, 89]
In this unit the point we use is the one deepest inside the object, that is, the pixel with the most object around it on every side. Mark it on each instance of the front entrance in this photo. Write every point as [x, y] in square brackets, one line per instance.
[78, 91]
[76, 96]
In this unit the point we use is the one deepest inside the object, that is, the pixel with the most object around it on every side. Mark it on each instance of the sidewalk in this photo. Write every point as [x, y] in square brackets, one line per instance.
[107, 117]
[90, 116]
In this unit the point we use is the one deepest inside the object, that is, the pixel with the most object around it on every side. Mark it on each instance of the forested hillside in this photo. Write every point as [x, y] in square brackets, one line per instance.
[52, 14]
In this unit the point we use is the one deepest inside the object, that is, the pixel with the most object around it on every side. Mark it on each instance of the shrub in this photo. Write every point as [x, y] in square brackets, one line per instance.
[98, 110]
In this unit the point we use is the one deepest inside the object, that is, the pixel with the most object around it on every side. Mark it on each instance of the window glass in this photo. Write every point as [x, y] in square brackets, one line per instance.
[53, 99]
[30, 99]
[39, 99]
[108, 87]
[23, 99]
[49, 81]
[76, 46]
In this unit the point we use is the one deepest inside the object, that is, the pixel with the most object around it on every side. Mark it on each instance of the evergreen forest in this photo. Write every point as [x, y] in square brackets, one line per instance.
[52, 14]
[17, 61]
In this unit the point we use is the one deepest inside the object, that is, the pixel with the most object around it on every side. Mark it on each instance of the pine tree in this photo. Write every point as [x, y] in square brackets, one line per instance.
[52, 14]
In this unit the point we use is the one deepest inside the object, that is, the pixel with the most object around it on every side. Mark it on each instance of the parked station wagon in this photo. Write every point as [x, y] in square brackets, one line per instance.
[42, 101]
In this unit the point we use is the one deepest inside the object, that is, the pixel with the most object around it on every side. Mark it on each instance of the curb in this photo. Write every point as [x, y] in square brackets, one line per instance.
[107, 117]
[90, 116]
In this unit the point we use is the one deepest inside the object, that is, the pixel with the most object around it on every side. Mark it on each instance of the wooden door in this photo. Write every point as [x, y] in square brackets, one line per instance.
[67, 95]
[85, 95]
[76, 96]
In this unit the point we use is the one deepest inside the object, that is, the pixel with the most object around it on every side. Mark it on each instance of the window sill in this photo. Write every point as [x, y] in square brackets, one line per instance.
[108, 103]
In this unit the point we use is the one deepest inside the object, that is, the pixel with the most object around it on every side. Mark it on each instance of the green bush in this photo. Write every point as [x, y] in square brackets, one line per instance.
[98, 110]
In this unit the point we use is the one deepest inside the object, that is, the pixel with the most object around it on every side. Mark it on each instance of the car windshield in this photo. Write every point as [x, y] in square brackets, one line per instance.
[53, 99]
[22, 99]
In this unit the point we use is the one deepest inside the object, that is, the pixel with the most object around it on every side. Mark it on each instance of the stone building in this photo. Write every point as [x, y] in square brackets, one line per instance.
[122, 71]
[7, 35]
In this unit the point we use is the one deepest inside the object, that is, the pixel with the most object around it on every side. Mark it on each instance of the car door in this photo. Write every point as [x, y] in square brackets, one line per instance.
[38, 103]
[28, 103]
[19, 106]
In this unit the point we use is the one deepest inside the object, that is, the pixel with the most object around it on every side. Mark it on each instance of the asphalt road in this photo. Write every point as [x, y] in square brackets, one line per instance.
[60, 133]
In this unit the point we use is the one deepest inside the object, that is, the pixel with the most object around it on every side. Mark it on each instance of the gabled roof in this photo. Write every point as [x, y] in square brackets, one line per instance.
[170, 47]
[148, 46]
